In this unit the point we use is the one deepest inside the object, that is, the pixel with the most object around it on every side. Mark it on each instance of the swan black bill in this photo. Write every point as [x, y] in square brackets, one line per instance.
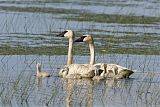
[62, 34]
[80, 39]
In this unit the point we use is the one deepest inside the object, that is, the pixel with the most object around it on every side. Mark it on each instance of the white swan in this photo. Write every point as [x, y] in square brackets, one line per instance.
[69, 34]
[41, 73]
[76, 70]
[117, 70]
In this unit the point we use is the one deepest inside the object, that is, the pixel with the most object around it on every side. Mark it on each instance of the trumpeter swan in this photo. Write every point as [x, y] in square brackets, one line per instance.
[69, 34]
[117, 70]
[41, 73]
[76, 70]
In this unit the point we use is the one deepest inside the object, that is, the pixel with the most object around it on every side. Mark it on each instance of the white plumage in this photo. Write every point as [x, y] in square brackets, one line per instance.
[90, 70]
[41, 73]
[109, 70]
[75, 70]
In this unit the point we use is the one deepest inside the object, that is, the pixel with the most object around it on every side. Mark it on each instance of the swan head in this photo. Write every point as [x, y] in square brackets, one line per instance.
[85, 38]
[67, 34]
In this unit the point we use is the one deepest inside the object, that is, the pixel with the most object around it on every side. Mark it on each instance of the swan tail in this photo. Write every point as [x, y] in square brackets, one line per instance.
[125, 73]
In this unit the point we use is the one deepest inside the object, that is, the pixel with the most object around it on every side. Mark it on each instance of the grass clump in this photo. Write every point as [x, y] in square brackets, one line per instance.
[137, 51]
[105, 18]
[33, 50]
[38, 9]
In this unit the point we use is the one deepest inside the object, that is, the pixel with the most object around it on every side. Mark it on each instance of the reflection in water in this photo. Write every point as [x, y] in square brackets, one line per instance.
[38, 82]
[41, 83]
[121, 83]
[31, 29]
[113, 93]
[83, 92]
[79, 92]
[20, 87]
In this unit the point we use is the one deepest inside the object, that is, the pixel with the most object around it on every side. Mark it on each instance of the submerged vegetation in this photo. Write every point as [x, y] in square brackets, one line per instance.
[32, 50]
[105, 18]
[147, 45]
[28, 36]
[26, 90]
[38, 10]
[38, 43]
[81, 15]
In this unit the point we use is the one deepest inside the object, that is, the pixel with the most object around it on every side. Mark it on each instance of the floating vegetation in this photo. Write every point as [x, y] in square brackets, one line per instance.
[48, 44]
[120, 30]
[39, 10]
[137, 51]
[105, 18]
[32, 50]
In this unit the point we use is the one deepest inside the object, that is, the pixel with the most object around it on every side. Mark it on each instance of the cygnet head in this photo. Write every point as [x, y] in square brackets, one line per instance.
[38, 67]
[67, 34]
[63, 72]
[85, 38]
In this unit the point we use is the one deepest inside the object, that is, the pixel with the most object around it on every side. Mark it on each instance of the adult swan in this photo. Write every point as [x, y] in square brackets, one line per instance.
[117, 70]
[76, 70]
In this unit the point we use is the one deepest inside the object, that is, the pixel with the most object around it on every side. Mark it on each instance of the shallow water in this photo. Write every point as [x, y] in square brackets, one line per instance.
[34, 24]
[20, 87]
[22, 26]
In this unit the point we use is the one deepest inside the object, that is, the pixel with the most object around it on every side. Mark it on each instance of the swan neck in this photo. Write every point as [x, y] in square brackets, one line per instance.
[92, 56]
[38, 70]
[70, 51]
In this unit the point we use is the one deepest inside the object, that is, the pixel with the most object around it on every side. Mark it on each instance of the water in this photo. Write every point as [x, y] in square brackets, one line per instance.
[23, 27]
[21, 87]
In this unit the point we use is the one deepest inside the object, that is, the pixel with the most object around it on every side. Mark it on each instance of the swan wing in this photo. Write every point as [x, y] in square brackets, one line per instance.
[85, 70]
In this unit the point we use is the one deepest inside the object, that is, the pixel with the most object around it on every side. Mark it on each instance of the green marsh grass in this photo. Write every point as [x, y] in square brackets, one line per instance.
[123, 19]
[110, 44]
[39, 10]
[140, 90]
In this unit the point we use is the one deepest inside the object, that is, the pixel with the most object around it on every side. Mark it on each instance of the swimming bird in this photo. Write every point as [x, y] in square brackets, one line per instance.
[72, 70]
[69, 34]
[121, 72]
[41, 73]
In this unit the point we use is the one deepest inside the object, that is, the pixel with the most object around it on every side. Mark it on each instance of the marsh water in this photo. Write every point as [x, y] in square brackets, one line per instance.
[20, 87]
[125, 32]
